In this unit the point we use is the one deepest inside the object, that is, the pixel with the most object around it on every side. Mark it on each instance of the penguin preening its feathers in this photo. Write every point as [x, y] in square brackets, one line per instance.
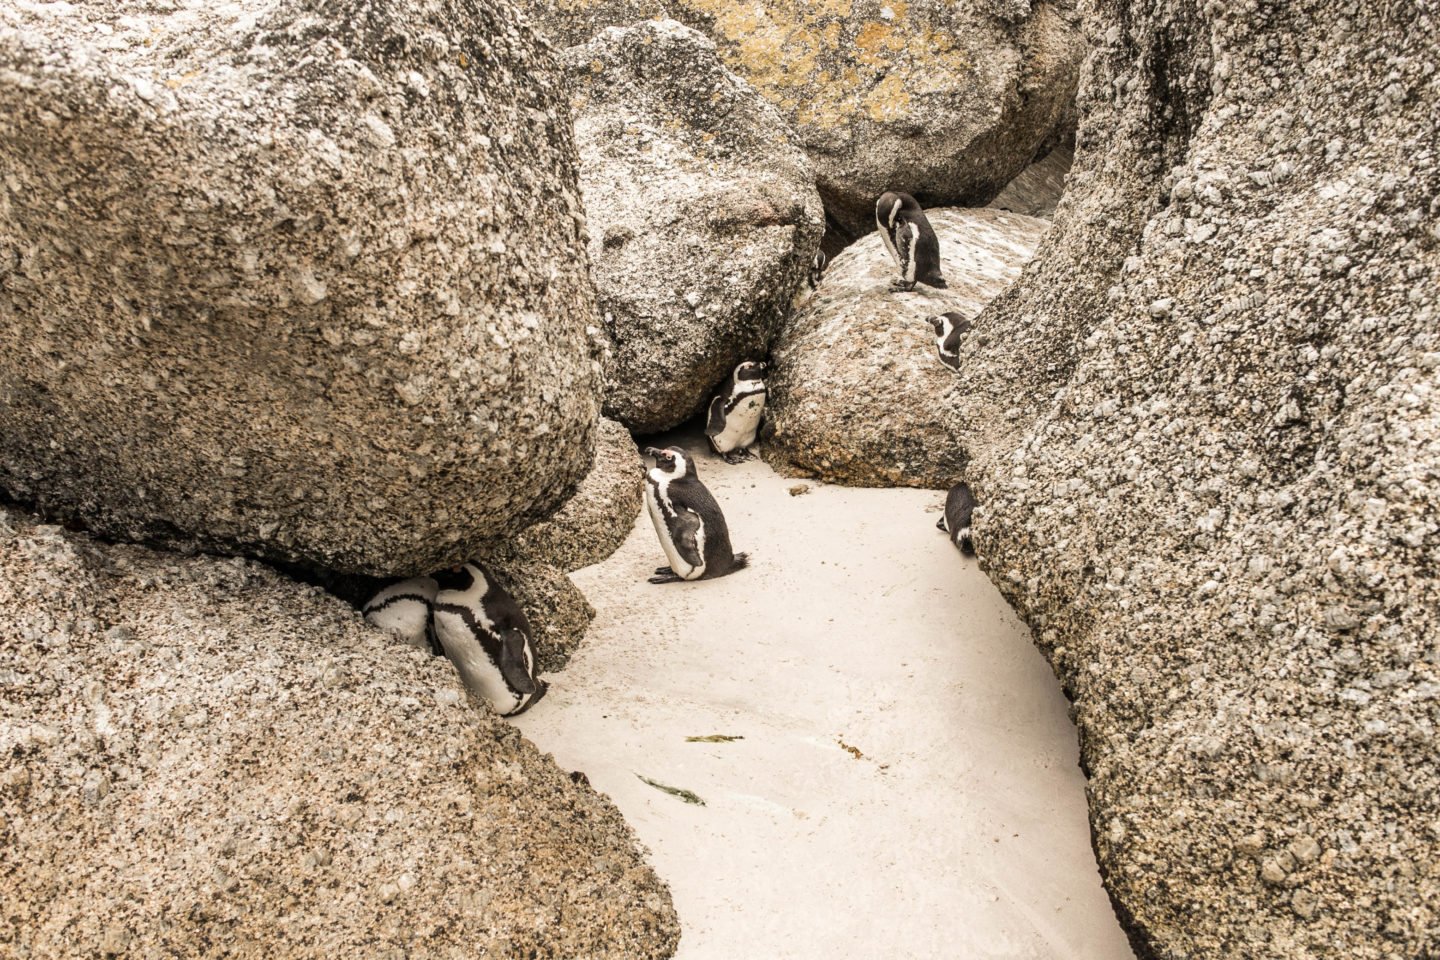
[687, 520]
[735, 413]
[949, 328]
[486, 635]
[910, 239]
[959, 508]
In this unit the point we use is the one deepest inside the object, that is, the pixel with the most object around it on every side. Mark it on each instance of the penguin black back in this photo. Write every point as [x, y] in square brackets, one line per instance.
[910, 239]
[959, 508]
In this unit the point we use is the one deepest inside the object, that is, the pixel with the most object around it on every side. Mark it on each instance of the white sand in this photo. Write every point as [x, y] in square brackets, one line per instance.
[960, 832]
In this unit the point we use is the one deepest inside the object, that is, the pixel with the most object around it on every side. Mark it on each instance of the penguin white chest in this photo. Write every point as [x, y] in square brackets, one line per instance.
[654, 493]
[741, 424]
[480, 674]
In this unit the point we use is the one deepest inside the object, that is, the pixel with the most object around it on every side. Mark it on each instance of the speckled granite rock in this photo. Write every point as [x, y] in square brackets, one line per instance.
[203, 758]
[702, 213]
[1216, 501]
[856, 392]
[596, 520]
[1038, 188]
[303, 284]
[947, 101]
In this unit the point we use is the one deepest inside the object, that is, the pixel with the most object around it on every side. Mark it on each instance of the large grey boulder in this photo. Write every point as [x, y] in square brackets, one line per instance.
[303, 283]
[856, 392]
[947, 101]
[1217, 500]
[203, 758]
[702, 213]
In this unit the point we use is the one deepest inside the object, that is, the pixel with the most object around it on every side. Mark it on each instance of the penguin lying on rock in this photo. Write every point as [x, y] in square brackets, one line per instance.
[735, 413]
[687, 520]
[485, 634]
[949, 328]
[910, 239]
[404, 609]
[959, 506]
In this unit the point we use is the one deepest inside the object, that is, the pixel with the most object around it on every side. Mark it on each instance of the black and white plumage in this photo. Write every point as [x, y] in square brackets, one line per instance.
[687, 520]
[949, 328]
[403, 609]
[735, 414]
[959, 507]
[910, 239]
[817, 268]
[485, 634]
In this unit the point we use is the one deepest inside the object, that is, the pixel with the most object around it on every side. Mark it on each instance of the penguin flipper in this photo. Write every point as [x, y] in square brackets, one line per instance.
[512, 662]
[686, 537]
[715, 425]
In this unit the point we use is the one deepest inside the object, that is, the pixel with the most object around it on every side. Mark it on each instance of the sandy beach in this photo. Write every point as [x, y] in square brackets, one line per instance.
[904, 778]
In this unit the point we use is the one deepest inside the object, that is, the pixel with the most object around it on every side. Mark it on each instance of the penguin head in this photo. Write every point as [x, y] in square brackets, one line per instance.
[888, 207]
[750, 370]
[820, 260]
[671, 462]
[938, 324]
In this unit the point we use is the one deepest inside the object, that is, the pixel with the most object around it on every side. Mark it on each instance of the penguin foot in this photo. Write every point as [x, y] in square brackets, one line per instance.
[663, 571]
[668, 578]
[902, 286]
[737, 456]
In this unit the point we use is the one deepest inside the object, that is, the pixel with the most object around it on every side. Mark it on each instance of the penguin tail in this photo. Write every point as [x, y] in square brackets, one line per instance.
[938, 283]
[742, 560]
[964, 541]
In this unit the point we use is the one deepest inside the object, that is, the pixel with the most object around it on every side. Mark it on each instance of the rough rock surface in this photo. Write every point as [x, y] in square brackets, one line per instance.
[1217, 500]
[269, 276]
[702, 213]
[947, 101]
[203, 758]
[596, 520]
[856, 392]
[1037, 190]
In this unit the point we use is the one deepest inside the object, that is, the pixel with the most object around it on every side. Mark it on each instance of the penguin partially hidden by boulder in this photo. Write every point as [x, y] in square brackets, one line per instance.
[959, 507]
[910, 239]
[403, 609]
[687, 520]
[817, 268]
[485, 634]
[735, 414]
[949, 328]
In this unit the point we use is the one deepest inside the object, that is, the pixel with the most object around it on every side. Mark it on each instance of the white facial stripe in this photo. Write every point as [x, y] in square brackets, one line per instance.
[895, 211]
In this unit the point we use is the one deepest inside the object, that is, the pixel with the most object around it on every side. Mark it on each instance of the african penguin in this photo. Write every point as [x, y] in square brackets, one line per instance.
[959, 505]
[735, 414]
[687, 520]
[485, 634]
[910, 240]
[949, 328]
[817, 268]
[403, 609]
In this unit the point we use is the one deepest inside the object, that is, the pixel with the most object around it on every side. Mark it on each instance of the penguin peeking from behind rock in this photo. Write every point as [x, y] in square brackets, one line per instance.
[687, 520]
[949, 328]
[910, 239]
[959, 507]
[735, 413]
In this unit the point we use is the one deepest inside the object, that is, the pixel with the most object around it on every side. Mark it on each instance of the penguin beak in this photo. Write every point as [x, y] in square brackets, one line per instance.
[652, 452]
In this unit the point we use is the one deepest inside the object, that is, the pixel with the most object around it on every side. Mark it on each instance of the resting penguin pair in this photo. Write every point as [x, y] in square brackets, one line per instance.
[687, 520]
[910, 239]
[735, 414]
[474, 621]
[959, 507]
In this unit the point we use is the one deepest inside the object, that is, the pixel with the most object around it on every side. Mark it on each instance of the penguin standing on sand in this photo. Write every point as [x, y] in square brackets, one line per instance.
[485, 634]
[959, 506]
[687, 520]
[949, 328]
[735, 414]
[403, 609]
[910, 240]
